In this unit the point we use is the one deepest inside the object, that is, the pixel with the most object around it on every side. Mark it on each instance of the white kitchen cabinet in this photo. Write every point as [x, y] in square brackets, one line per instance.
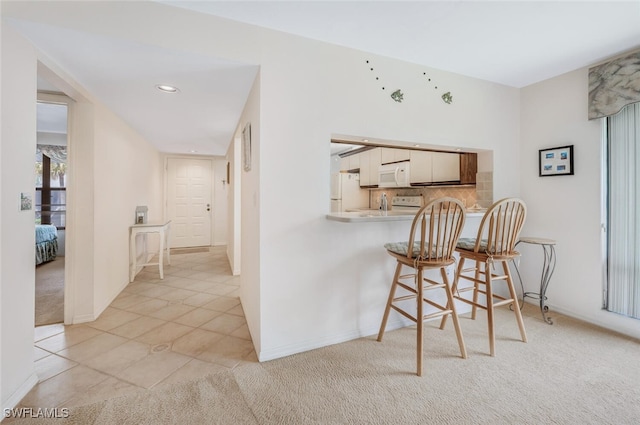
[344, 164]
[350, 162]
[446, 167]
[421, 167]
[374, 163]
[365, 169]
[354, 161]
[369, 164]
[389, 155]
[434, 167]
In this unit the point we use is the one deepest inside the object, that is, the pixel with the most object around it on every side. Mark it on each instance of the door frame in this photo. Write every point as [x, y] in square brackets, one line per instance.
[165, 203]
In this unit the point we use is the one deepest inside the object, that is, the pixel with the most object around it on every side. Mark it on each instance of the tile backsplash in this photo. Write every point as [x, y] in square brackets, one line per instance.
[484, 189]
[481, 193]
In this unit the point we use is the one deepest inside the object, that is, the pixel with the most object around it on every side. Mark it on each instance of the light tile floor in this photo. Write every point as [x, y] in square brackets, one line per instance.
[156, 332]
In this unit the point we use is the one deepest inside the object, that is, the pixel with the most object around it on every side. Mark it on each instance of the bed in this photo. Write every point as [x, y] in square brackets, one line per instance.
[46, 243]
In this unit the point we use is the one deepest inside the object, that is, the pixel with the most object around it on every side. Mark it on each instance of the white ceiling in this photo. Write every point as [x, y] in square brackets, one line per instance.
[515, 43]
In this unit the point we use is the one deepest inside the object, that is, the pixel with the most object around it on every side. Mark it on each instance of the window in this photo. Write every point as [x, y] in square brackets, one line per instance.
[51, 195]
[622, 293]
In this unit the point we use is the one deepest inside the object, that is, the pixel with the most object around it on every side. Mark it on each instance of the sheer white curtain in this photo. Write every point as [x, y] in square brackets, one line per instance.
[623, 292]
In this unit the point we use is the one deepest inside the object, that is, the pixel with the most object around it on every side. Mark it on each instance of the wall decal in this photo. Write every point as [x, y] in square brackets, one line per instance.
[429, 80]
[398, 96]
[377, 77]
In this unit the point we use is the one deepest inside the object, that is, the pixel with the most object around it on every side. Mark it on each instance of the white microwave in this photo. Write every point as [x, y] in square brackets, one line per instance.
[394, 175]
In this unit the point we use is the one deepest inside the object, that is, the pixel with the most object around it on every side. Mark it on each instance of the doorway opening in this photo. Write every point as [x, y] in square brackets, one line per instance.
[51, 168]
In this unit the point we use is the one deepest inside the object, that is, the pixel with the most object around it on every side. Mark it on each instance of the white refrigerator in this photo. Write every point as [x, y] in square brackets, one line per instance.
[346, 193]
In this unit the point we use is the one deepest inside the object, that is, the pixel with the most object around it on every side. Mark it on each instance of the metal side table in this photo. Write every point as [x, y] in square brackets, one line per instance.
[549, 265]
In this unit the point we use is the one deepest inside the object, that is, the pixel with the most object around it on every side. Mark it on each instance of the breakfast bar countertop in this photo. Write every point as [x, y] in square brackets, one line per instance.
[363, 216]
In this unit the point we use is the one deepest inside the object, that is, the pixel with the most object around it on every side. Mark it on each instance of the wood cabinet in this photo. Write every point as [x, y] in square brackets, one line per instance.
[389, 155]
[369, 164]
[468, 168]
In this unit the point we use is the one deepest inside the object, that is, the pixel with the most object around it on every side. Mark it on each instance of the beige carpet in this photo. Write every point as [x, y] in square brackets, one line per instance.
[568, 373]
[50, 292]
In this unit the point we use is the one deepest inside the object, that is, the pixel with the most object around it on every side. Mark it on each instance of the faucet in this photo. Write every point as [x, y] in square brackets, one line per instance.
[383, 202]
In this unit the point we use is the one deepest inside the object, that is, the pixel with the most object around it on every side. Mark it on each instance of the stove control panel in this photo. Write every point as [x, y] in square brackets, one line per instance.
[407, 201]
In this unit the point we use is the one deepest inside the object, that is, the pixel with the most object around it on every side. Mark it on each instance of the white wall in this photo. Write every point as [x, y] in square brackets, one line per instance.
[566, 208]
[234, 202]
[17, 229]
[112, 169]
[308, 282]
[128, 172]
[251, 288]
[97, 272]
[331, 278]
[220, 202]
[79, 234]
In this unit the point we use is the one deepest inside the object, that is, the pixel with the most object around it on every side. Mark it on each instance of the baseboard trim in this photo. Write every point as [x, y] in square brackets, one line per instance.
[20, 393]
[82, 318]
[287, 350]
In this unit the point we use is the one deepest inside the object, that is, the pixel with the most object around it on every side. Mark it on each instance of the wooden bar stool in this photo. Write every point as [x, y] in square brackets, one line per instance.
[434, 233]
[494, 245]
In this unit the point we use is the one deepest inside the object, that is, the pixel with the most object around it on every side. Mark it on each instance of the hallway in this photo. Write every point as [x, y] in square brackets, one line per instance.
[155, 333]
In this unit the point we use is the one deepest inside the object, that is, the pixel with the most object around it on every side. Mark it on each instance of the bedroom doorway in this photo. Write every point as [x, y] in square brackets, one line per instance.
[51, 168]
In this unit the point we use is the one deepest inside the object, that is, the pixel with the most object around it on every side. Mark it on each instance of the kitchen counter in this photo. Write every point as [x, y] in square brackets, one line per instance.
[360, 270]
[377, 215]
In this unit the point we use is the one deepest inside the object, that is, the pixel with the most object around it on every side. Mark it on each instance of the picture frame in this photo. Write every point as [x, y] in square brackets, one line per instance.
[556, 161]
[246, 147]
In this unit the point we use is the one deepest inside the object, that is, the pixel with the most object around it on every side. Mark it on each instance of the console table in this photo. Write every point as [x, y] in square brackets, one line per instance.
[549, 265]
[145, 229]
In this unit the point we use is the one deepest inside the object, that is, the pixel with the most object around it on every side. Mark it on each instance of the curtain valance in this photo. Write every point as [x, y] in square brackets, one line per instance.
[58, 154]
[613, 85]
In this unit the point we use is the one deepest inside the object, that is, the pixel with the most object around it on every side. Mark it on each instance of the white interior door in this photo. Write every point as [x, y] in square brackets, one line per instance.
[189, 201]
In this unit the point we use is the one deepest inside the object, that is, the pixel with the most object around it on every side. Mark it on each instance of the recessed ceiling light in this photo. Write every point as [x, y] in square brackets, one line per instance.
[193, 151]
[416, 146]
[365, 140]
[167, 89]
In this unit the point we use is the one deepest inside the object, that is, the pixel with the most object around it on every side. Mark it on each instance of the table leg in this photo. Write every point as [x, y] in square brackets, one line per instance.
[548, 268]
[547, 271]
[132, 256]
[168, 236]
[161, 254]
